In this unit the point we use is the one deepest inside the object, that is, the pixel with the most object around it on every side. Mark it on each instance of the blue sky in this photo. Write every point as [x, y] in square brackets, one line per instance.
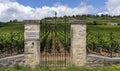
[70, 3]
[39, 9]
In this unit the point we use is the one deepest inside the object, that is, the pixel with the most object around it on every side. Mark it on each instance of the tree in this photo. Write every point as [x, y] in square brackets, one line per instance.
[94, 23]
[11, 22]
[15, 21]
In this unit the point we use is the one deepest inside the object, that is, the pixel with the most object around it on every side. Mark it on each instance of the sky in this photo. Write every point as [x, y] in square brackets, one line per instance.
[70, 3]
[39, 9]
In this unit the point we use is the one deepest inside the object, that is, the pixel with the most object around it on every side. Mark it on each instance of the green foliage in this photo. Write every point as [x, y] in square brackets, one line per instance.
[104, 68]
[49, 27]
[58, 31]
[99, 37]
[12, 28]
[11, 39]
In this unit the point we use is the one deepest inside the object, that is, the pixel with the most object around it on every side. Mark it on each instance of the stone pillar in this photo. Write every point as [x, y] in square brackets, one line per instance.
[78, 42]
[32, 43]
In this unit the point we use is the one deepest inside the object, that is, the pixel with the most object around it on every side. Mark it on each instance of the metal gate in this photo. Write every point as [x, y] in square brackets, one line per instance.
[55, 42]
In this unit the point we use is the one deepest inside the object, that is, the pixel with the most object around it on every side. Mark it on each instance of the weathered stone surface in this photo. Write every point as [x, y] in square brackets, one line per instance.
[78, 43]
[95, 60]
[32, 43]
[32, 28]
[12, 61]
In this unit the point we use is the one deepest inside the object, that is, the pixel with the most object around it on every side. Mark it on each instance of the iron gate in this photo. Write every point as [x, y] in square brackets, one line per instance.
[55, 42]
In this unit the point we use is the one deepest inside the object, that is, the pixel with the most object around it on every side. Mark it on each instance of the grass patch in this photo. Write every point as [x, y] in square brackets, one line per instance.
[12, 28]
[104, 68]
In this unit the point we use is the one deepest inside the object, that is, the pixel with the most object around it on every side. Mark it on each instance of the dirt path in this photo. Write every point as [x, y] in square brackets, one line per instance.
[103, 53]
[53, 47]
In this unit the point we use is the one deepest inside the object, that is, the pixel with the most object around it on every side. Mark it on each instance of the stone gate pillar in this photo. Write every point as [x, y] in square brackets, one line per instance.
[32, 43]
[78, 42]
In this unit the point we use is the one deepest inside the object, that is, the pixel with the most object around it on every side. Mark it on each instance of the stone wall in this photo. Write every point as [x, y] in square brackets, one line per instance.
[12, 61]
[91, 60]
[95, 60]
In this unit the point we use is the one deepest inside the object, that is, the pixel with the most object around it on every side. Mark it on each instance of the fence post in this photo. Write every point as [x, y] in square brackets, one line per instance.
[78, 42]
[111, 44]
[32, 43]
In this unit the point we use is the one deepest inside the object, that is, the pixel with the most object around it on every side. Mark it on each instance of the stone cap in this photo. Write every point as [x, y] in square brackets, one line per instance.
[82, 22]
[31, 21]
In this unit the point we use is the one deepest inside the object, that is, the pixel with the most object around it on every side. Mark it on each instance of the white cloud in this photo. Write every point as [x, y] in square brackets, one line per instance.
[112, 7]
[10, 9]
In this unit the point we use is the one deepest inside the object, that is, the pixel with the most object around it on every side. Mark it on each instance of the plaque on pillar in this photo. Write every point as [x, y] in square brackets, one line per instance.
[32, 35]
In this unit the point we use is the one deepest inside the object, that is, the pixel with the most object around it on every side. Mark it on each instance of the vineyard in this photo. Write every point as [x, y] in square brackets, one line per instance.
[55, 39]
[55, 36]
[11, 40]
[103, 40]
